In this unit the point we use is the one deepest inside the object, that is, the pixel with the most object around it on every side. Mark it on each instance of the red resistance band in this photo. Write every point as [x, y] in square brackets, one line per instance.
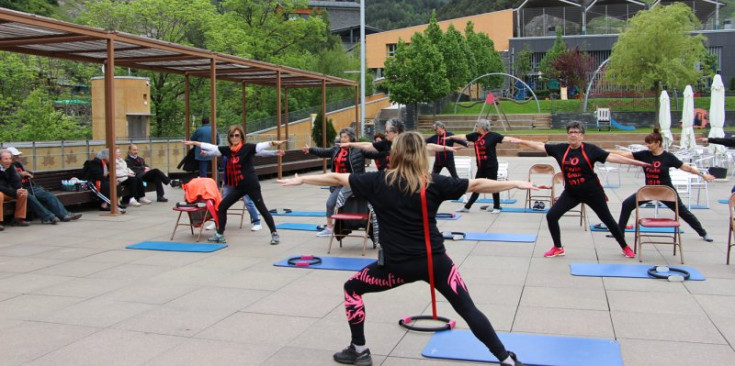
[477, 149]
[427, 240]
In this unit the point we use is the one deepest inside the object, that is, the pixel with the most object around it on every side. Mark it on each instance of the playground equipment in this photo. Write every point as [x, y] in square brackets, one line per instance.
[605, 120]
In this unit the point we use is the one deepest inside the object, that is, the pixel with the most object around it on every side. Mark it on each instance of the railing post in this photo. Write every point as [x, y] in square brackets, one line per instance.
[63, 154]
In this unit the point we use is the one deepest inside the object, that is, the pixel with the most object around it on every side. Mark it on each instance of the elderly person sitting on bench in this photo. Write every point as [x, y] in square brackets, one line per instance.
[11, 189]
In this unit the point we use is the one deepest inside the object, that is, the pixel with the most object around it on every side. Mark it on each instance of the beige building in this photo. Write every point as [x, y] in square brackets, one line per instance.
[132, 107]
[497, 25]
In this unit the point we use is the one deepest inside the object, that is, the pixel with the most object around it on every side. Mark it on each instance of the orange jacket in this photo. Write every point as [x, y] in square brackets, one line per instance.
[202, 188]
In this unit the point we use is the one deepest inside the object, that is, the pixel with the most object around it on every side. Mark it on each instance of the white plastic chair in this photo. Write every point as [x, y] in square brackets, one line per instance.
[603, 118]
[463, 164]
[605, 170]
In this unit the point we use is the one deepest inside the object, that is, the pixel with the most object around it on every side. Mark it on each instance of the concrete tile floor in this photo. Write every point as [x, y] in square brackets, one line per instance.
[71, 294]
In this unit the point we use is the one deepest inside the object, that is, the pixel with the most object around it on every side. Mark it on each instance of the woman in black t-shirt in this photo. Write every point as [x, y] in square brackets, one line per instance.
[396, 198]
[724, 141]
[658, 174]
[240, 174]
[485, 142]
[581, 184]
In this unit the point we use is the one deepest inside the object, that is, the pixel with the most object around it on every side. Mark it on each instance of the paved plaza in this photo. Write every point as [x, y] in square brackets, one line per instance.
[71, 294]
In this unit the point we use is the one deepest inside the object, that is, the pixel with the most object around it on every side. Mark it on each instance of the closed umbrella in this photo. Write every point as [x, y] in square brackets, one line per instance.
[664, 119]
[717, 114]
[688, 141]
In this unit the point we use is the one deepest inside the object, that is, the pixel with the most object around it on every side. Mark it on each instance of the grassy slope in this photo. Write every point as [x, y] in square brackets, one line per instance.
[573, 106]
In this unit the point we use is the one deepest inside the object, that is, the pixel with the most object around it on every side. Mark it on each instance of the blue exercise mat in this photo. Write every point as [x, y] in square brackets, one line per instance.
[532, 349]
[443, 216]
[727, 202]
[522, 210]
[333, 263]
[172, 246]
[624, 270]
[489, 200]
[302, 213]
[508, 237]
[296, 226]
[660, 230]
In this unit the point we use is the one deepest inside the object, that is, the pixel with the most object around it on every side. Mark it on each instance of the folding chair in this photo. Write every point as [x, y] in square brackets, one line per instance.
[544, 174]
[463, 164]
[603, 118]
[731, 234]
[581, 212]
[353, 214]
[198, 216]
[503, 174]
[661, 194]
[605, 170]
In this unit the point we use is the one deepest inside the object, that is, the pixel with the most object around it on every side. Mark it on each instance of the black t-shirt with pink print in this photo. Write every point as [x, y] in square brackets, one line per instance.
[658, 172]
[578, 164]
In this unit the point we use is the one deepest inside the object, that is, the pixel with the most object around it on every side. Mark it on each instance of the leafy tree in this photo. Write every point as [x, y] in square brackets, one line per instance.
[455, 50]
[552, 54]
[486, 57]
[391, 14]
[658, 50]
[36, 120]
[572, 67]
[433, 32]
[523, 62]
[416, 73]
[39, 7]
[316, 130]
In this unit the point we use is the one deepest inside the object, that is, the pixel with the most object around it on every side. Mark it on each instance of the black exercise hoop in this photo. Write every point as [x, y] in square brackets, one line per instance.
[405, 322]
[454, 235]
[665, 275]
[276, 210]
[304, 261]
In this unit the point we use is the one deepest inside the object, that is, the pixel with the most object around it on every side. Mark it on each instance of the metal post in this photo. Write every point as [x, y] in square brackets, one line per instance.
[213, 106]
[286, 116]
[63, 154]
[361, 122]
[35, 157]
[324, 122]
[278, 120]
[110, 122]
[187, 108]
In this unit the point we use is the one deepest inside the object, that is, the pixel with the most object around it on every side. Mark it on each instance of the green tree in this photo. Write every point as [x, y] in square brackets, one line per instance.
[416, 74]
[658, 49]
[523, 62]
[454, 48]
[37, 120]
[487, 59]
[39, 7]
[316, 130]
[559, 47]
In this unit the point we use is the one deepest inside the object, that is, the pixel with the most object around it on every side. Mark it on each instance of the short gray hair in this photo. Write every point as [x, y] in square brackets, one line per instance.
[575, 124]
[350, 132]
[5, 151]
[439, 124]
[103, 154]
[483, 124]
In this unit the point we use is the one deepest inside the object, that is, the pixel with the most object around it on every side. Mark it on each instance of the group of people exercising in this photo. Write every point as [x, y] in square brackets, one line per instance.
[405, 197]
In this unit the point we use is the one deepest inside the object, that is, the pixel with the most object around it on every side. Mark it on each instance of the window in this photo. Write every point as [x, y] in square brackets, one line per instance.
[391, 49]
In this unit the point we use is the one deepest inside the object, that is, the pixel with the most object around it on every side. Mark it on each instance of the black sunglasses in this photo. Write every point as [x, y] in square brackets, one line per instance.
[236, 135]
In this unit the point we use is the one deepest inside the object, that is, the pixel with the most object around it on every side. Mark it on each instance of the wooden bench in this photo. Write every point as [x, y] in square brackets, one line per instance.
[51, 181]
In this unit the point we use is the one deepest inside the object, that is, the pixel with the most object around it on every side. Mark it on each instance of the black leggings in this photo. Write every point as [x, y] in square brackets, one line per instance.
[448, 282]
[684, 213]
[235, 195]
[595, 199]
[449, 164]
[490, 172]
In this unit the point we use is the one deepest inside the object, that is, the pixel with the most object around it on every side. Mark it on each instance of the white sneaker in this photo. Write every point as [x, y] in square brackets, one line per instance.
[494, 211]
[145, 201]
[210, 226]
[133, 203]
[327, 232]
[256, 227]
[463, 209]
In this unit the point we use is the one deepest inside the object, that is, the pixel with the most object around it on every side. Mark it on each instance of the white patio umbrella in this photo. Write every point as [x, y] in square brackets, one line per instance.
[664, 119]
[688, 141]
[717, 114]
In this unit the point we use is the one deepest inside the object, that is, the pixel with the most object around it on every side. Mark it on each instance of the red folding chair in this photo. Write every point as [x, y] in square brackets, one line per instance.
[198, 216]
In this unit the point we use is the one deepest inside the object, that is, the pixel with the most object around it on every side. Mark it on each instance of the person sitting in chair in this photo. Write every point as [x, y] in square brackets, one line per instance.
[11, 189]
[137, 164]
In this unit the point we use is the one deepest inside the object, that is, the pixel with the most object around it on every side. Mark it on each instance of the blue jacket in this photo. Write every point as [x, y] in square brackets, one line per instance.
[203, 134]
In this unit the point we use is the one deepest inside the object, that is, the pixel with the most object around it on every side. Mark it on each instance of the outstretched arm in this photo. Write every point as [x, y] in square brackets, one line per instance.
[536, 145]
[483, 185]
[623, 153]
[688, 168]
[365, 146]
[457, 137]
[615, 158]
[207, 148]
[326, 180]
[440, 148]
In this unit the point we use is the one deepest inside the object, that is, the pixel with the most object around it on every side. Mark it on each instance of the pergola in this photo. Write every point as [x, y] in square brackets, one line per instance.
[41, 36]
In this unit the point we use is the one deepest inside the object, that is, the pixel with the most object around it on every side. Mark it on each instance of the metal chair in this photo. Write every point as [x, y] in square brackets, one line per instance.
[503, 174]
[581, 212]
[359, 218]
[198, 216]
[662, 194]
[544, 175]
[731, 233]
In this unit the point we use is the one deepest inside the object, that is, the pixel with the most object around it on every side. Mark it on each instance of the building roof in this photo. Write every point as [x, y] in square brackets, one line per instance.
[41, 36]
